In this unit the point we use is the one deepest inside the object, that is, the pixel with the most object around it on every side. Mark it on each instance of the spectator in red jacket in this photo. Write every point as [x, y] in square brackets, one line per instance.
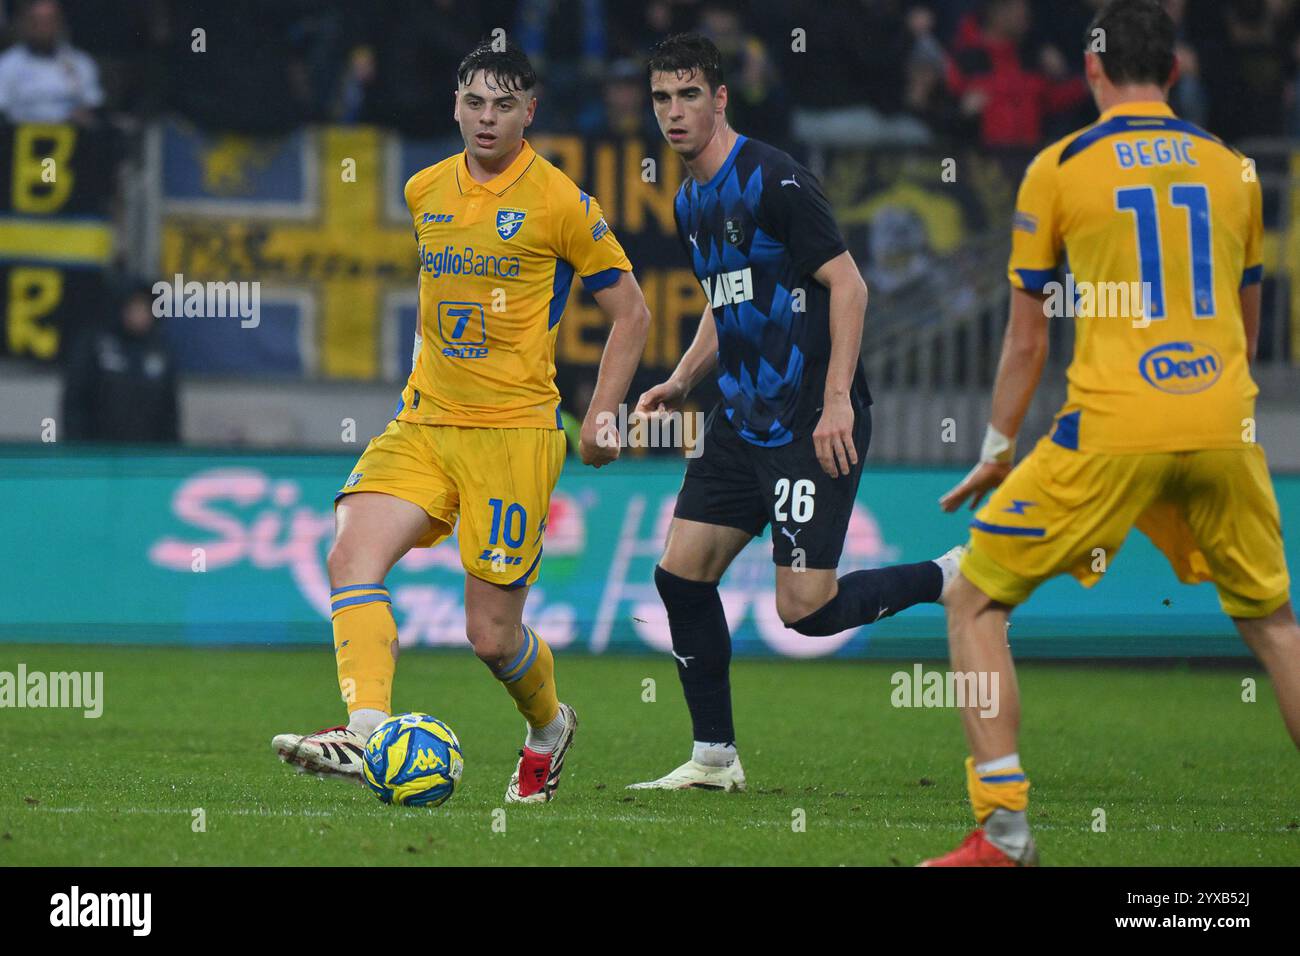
[987, 73]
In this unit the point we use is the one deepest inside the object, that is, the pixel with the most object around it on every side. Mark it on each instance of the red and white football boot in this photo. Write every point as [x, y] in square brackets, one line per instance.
[537, 776]
[976, 850]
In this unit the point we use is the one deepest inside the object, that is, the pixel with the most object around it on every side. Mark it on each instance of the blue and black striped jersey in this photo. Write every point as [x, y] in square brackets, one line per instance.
[756, 232]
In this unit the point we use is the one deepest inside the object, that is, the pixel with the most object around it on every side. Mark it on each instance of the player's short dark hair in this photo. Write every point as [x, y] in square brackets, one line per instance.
[509, 66]
[686, 53]
[1138, 37]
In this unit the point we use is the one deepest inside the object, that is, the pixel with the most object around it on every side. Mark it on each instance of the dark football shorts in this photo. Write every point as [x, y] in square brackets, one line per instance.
[746, 486]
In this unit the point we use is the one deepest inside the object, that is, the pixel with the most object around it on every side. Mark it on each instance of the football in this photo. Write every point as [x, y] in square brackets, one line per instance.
[413, 760]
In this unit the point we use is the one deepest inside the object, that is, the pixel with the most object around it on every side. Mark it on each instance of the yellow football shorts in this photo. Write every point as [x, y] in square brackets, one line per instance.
[1212, 512]
[498, 481]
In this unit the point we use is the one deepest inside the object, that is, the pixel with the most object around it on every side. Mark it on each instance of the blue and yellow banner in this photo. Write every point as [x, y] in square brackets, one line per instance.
[319, 219]
[57, 189]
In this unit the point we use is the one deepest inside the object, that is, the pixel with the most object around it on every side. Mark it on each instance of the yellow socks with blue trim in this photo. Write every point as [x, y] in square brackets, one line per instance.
[999, 795]
[530, 679]
[365, 649]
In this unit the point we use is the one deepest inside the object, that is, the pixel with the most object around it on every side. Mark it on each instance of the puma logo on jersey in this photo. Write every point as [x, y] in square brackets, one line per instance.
[786, 531]
[791, 182]
[729, 288]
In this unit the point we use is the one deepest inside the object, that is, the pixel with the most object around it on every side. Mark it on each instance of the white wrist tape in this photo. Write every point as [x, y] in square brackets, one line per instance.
[997, 447]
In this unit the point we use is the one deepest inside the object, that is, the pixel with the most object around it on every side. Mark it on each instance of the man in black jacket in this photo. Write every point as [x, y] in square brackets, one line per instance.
[120, 382]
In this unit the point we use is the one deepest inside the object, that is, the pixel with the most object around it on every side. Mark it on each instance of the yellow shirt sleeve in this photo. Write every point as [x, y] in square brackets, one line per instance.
[585, 241]
[408, 193]
[1254, 259]
[1035, 231]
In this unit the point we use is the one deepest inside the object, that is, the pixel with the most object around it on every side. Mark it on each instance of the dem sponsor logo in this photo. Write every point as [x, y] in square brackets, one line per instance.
[1181, 368]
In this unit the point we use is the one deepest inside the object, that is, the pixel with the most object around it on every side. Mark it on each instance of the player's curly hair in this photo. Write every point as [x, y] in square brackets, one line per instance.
[506, 63]
[1138, 37]
[685, 53]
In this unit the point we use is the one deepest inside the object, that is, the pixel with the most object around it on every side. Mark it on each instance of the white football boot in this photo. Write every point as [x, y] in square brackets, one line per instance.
[537, 776]
[335, 753]
[698, 776]
[950, 565]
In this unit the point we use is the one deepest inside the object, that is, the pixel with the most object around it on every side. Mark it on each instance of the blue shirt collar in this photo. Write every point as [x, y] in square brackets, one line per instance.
[726, 164]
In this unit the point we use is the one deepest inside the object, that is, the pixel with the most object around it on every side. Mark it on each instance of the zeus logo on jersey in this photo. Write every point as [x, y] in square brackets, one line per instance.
[1193, 367]
[729, 288]
[497, 556]
[466, 262]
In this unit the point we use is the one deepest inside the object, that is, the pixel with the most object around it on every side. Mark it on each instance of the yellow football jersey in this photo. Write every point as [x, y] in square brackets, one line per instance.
[497, 260]
[1160, 225]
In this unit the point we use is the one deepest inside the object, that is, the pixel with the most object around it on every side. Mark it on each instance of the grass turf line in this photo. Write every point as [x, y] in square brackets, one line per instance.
[1185, 771]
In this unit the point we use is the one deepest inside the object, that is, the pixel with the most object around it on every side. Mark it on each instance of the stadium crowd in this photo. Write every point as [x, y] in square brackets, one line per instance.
[1003, 73]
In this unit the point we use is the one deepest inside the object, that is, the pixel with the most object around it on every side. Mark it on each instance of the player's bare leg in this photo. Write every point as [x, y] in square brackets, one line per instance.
[799, 593]
[494, 621]
[701, 552]
[1275, 641]
[372, 532]
[519, 658]
[695, 557]
[977, 643]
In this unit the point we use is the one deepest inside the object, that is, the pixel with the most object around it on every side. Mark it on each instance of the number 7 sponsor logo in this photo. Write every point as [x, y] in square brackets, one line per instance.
[462, 323]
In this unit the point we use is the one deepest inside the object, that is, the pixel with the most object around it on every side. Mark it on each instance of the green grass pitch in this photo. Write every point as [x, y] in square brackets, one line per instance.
[1185, 771]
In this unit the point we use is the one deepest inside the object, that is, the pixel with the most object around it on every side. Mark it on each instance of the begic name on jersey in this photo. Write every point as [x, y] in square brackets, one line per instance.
[729, 288]
[467, 262]
[1160, 151]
